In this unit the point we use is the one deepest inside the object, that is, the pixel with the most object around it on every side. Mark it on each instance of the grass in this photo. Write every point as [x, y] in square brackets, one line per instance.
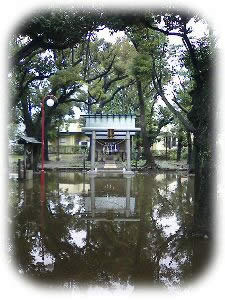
[13, 158]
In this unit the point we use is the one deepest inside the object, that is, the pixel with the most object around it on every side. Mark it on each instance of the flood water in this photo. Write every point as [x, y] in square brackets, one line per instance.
[114, 232]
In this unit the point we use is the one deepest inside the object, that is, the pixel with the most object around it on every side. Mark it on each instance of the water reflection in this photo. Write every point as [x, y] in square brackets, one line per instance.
[112, 204]
[113, 232]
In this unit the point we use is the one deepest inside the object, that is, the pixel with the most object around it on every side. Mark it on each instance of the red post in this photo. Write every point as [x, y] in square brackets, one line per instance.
[42, 188]
[43, 145]
[42, 153]
[42, 134]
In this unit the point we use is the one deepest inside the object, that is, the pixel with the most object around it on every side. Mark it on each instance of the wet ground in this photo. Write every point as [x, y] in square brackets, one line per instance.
[76, 162]
[112, 231]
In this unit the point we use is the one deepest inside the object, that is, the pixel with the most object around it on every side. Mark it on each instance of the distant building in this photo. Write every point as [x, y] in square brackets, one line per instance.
[165, 140]
[70, 138]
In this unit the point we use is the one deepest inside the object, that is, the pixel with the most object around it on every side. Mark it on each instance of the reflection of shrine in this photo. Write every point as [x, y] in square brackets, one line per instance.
[110, 206]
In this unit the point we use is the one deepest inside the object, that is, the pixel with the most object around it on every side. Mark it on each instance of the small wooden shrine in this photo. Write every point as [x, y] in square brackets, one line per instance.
[111, 137]
[28, 154]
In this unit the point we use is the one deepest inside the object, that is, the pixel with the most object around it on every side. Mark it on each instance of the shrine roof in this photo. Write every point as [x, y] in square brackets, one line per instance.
[103, 122]
[28, 140]
[97, 115]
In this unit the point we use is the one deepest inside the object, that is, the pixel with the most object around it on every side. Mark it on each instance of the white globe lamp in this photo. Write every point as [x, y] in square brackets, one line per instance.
[50, 102]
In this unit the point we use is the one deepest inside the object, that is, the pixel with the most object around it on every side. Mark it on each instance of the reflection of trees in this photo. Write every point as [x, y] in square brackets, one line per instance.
[145, 252]
[164, 249]
[143, 268]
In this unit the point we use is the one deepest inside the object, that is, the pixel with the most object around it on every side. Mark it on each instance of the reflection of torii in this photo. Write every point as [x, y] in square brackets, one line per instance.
[127, 209]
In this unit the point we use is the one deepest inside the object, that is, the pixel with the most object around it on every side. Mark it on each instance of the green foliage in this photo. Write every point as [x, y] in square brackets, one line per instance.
[65, 77]
[141, 67]
[60, 27]
[97, 91]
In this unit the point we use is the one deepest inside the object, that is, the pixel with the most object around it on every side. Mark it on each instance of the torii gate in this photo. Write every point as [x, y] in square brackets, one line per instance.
[110, 127]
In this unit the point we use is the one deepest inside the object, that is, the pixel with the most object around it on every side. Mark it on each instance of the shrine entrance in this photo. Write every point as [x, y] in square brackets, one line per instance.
[113, 150]
[111, 140]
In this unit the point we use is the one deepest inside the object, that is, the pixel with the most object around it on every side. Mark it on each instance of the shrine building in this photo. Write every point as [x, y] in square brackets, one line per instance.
[110, 138]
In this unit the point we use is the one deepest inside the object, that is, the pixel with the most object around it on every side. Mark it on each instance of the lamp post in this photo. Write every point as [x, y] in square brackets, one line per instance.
[50, 101]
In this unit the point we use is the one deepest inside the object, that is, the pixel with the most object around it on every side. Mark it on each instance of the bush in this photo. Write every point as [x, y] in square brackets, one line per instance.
[140, 163]
[184, 153]
[76, 149]
[172, 154]
[16, 149]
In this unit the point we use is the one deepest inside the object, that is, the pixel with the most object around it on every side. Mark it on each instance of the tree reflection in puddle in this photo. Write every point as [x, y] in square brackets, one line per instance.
[112, 232]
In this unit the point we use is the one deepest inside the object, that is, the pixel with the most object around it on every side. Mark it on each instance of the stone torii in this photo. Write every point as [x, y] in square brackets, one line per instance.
[110, 127]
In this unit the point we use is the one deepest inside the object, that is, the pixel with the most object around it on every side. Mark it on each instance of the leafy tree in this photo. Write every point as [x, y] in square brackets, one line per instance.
[148, 43]
[201, 55]
[55, 29]
[102, 90]
[60, 73]
[34, 79]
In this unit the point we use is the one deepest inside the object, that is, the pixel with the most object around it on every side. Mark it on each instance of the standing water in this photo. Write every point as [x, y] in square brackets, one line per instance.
[108, 231]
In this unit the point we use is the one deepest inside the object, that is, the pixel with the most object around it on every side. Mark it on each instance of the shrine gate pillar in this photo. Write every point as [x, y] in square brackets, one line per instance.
[128, 150]
[93, 140]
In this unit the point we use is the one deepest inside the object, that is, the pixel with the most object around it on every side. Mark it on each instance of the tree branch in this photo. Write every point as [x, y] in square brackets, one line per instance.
[187, 124]
[157, 85]
[107, 85]
[103, 103]
[103, 73]
[179, 105]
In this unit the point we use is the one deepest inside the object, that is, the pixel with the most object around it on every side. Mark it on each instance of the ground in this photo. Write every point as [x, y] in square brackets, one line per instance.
[76, 161]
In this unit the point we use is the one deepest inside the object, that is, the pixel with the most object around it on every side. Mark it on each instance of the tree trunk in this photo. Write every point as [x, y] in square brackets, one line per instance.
[204, 170]
[203, 194]
[36, 156]
[180, 144]
[145, 139]
[179, 147]
[193, 159]
[189, 143]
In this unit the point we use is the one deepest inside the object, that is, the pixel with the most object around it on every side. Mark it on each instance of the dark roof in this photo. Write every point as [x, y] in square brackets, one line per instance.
[27, 140]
